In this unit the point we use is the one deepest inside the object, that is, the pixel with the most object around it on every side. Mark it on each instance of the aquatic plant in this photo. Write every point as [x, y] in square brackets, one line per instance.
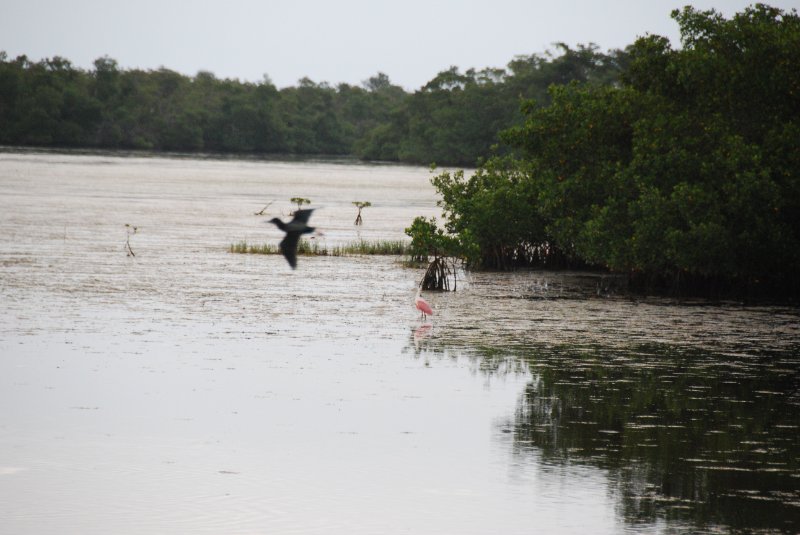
[300, 201]
[315, 248]
[311, 248]
[380, 247]
[360, 205]
[242, 247]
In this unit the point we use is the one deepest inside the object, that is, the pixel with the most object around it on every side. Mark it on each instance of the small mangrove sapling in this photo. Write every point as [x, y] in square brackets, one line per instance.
[427, 240]
[360, 205]
[300, 201]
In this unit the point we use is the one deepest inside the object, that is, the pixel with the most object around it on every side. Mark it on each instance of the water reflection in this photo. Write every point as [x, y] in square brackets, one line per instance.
[421, 335]
[692, 409]
[688, 437]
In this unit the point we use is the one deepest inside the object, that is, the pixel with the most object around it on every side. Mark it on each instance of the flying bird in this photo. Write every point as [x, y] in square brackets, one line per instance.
[293, 229]
[423, 306]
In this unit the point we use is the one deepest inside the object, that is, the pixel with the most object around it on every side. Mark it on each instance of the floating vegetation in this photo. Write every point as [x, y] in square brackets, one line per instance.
[314, 248]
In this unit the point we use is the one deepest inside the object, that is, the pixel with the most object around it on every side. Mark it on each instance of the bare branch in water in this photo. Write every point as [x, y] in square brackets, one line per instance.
[264, 209]
[131, 230]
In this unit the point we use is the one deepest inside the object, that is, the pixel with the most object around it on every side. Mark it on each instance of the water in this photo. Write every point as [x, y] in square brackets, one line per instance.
[188, 389]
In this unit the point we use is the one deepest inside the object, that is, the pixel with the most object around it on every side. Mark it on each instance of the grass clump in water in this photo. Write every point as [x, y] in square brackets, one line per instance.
[311, 248]
[242, 247]
[314, 248]
[380, 247]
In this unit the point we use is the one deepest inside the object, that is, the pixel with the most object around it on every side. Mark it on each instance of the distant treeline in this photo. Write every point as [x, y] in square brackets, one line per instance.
[687, 174]
[453, 119]
[678, 167]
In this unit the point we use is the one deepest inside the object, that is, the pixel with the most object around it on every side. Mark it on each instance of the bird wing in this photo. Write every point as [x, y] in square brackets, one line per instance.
[302, 216]
[288, 247]
[423, 306]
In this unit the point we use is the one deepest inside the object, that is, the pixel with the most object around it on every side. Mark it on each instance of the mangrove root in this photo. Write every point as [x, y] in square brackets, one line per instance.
[437, 276]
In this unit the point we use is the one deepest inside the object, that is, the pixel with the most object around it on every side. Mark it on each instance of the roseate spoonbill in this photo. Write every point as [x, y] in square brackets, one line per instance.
[293, 229]
[423, 306]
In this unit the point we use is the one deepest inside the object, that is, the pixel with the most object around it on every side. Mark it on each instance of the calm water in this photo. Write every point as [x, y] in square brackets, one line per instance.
[191, 390]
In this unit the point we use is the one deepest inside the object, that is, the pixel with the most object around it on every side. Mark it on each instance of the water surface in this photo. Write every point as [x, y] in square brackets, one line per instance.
[188, 389]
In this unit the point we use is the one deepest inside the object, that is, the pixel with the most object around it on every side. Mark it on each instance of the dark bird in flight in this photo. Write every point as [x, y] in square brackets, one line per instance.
[293, 230]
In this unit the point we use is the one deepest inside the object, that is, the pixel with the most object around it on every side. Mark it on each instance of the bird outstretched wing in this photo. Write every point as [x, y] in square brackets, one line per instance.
[302, 216]
[288, 247]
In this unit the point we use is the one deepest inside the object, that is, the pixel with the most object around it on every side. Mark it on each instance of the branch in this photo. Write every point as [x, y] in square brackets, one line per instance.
[263, 209]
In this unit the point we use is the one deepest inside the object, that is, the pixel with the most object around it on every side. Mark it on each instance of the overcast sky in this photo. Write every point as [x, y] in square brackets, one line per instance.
[328, 40]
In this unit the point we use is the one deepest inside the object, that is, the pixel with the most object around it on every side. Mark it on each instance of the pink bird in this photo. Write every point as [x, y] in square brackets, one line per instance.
[423, 306]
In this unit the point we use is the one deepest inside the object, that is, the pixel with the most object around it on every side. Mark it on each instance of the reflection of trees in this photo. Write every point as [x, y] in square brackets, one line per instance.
[685, 437]
[424, 344]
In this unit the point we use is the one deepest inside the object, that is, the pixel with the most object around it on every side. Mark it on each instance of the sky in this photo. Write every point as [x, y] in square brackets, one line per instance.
[333, 41]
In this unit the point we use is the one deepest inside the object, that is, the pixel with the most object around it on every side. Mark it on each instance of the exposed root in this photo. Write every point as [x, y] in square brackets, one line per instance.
[437, 276]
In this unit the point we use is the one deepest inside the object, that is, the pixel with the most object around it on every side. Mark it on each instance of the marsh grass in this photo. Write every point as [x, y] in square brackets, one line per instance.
[242, 247]
[381, 247]
[314, 248]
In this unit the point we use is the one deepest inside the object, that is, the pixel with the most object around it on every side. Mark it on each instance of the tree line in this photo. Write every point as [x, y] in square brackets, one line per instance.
[453, 119]
[678, 167]
[686, 174]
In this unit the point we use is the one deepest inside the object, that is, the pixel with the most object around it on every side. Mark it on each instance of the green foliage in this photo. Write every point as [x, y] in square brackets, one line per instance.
[455, 118]
[687, 173]
[243, 247]
[380, 247]
[427, 239]
[300, 201]
[492, 214]
[51, 103]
